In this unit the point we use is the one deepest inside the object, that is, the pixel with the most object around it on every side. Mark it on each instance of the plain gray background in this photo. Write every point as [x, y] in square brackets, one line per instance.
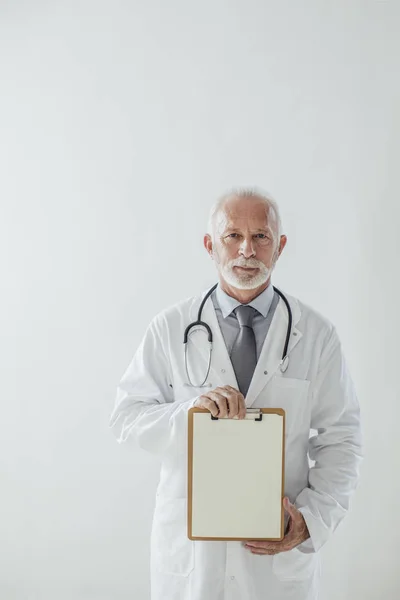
[120, 124]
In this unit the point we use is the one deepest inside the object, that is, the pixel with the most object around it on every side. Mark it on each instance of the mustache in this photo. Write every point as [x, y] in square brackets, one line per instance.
[249, 263]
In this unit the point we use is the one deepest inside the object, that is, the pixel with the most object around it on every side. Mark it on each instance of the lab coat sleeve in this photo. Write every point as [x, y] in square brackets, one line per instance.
[336, 449]
[145, 411]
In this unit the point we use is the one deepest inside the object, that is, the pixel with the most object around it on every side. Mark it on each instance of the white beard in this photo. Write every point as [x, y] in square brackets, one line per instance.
[242, 280]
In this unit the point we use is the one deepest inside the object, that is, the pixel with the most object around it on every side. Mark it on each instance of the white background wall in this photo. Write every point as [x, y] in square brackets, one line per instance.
[120, 123]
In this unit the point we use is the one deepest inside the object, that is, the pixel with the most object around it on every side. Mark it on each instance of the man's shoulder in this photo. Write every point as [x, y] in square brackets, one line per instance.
[310, 315]
[173, 313]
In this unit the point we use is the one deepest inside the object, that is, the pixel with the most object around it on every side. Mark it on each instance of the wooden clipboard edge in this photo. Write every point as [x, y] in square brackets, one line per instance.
[195, 409]
[190, 468]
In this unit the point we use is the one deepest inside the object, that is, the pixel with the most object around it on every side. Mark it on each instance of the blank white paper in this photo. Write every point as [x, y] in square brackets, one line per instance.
[237, 476]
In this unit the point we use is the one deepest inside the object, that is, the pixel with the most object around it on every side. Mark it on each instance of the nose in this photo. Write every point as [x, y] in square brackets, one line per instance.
[246, 247]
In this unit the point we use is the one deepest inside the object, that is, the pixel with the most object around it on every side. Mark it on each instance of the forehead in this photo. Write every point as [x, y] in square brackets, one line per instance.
[242, 212]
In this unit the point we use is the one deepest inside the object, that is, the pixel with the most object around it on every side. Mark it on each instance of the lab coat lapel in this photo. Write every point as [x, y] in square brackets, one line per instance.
[221, 370]
[271, 353]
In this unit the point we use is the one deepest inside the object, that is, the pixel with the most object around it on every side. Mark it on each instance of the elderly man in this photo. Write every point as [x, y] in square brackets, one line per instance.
[249, 320]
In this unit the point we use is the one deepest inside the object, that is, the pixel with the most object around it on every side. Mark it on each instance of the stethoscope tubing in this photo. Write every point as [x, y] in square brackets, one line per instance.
[200, 323]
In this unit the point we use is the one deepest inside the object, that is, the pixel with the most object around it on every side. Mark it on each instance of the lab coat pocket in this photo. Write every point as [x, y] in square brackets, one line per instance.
[172, 550]
[294, 565]
[291, 395]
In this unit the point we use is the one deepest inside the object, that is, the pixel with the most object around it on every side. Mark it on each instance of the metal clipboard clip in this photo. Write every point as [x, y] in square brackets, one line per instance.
[251, 411]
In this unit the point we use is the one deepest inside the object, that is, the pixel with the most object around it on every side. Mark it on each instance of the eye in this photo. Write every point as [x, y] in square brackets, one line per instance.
[262, 236]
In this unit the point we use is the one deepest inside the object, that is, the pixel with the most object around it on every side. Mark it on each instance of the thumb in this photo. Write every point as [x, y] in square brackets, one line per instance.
[289, 507]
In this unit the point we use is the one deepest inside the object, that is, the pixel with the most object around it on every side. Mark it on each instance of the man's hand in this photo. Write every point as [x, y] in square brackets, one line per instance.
[296, 533]
[225, 401]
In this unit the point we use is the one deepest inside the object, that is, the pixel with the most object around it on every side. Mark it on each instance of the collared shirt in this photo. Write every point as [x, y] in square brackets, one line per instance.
[265, 305]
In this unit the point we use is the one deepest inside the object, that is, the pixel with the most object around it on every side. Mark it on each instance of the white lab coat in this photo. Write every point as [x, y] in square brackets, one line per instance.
[316, 392]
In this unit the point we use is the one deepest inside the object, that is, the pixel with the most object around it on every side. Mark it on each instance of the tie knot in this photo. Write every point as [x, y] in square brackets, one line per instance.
[245, 315]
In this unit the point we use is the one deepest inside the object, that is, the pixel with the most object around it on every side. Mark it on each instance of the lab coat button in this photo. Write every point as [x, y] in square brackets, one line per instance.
[222, 370]
[232, 577]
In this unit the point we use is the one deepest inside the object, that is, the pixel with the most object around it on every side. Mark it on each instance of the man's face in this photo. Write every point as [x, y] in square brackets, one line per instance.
[245, 247]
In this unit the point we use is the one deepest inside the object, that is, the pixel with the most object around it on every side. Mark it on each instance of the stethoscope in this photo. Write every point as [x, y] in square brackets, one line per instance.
[283, 365]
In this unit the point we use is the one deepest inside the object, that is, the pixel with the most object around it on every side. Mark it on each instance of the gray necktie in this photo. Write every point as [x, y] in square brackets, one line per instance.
[244, 351]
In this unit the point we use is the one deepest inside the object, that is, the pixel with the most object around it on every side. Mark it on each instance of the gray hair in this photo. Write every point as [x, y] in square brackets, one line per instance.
[245, 192]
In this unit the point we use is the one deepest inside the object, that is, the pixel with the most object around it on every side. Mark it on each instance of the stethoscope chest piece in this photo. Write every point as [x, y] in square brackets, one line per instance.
[284, 364]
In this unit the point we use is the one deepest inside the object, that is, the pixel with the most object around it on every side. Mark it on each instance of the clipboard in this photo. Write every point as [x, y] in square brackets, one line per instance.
[236, 471]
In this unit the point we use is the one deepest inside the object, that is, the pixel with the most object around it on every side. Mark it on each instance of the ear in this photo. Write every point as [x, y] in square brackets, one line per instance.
[208, 245]
[282, 244]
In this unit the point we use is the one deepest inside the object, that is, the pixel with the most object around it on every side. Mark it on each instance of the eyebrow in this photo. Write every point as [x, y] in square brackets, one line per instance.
[268, 229]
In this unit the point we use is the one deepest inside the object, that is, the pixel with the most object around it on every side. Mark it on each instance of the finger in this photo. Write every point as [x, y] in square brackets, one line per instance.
[268, 550]
[263, 545]
[241, 410]
[242, 407]
[221, 403]
[210, 401]
[217, 403]
[221, 397]
[215, 394]
[255, 544]
[270, 547]
[261, 552]
[233, 403]
[210, 405]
